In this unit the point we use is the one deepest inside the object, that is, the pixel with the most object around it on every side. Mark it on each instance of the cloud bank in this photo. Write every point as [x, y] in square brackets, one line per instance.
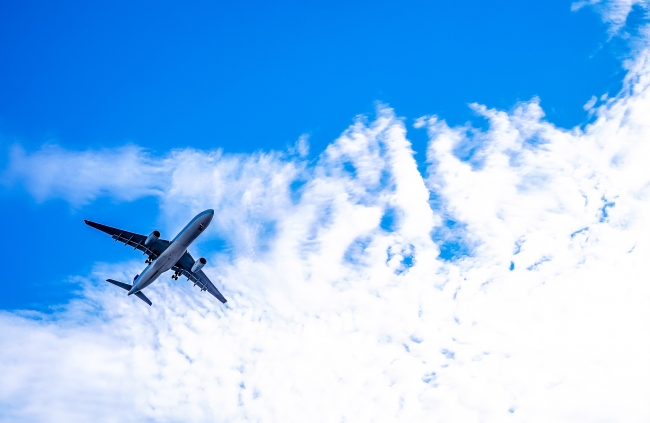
[508, 283]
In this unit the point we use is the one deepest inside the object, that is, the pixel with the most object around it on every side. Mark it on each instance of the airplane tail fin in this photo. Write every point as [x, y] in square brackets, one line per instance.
[127, 287]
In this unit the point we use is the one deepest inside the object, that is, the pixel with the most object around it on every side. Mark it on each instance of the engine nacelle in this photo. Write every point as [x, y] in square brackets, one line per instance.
[198, 265]
[152, 237]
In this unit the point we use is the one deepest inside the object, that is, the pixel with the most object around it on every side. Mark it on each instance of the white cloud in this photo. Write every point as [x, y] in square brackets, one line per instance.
[613, 12]
[566, 209]
[334, 314]
[79, 177]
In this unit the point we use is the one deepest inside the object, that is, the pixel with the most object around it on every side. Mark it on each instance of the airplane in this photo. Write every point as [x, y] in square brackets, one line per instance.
[165, 255]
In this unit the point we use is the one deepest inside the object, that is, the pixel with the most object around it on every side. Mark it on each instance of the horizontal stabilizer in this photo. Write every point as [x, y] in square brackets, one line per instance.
[140, 295]
[127, 287]
[120, 284]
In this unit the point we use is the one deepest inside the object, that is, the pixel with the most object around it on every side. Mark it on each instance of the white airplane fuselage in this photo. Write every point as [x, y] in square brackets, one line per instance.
[174, 252]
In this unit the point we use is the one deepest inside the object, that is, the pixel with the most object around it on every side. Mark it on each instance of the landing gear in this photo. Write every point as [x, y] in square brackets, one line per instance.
[176, 275]
[148, 261]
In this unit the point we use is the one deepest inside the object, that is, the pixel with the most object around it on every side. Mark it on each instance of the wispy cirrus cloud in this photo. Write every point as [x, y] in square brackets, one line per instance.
[81, 176]
[613, 12]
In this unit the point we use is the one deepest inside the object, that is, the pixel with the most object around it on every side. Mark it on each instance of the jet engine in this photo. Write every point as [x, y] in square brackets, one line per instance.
[152, 237]
[198, 265]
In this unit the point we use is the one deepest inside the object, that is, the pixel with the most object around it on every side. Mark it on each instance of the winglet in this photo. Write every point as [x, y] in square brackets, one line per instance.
[91, 223]
[217, 294]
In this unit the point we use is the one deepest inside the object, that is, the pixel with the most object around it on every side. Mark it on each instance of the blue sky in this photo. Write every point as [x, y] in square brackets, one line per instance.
[249, 76]
[423, 211]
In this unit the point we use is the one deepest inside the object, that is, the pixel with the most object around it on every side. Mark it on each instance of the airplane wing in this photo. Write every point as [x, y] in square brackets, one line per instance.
[184, 266]
[134, 240]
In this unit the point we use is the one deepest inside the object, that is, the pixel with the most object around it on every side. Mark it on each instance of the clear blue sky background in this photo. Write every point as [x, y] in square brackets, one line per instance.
[245, 76]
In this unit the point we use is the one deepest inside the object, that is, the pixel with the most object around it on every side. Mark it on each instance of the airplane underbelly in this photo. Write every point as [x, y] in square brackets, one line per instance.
[165, 262]
[168, 262]
[169, 259]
